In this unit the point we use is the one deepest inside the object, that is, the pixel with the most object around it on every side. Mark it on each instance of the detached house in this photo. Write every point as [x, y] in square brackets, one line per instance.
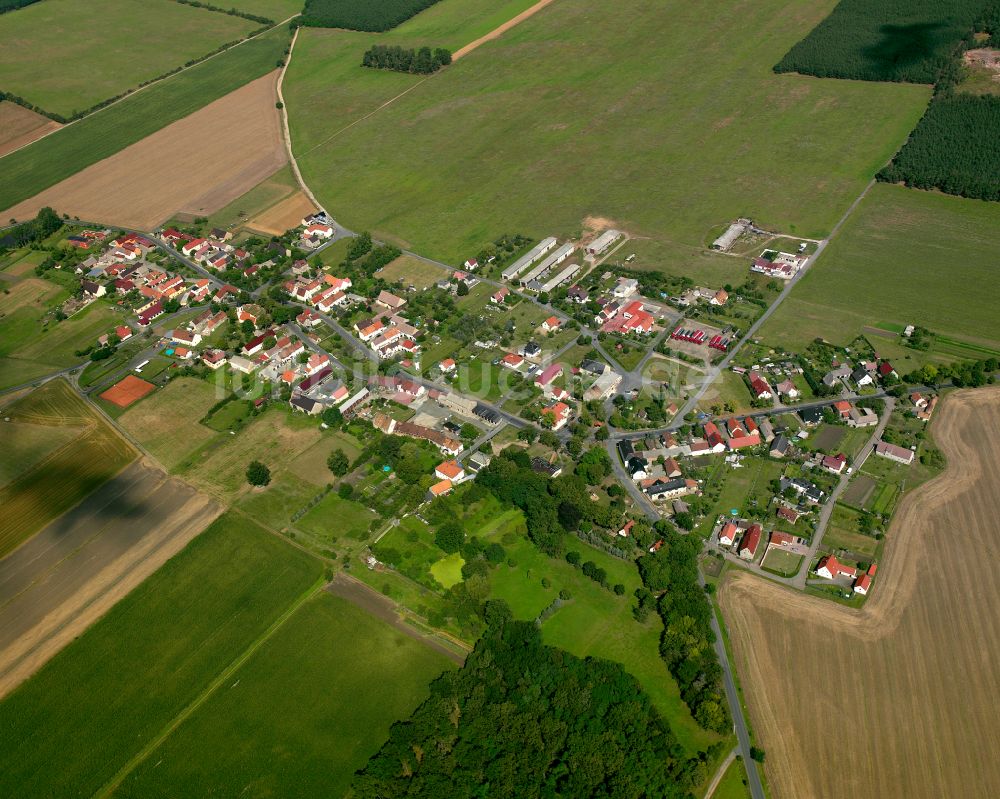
[830, 568]
[760, 387]
[750, 542]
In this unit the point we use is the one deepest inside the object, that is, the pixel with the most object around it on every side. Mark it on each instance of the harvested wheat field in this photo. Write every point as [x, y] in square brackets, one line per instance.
[196, 165]
[20, 126]
[897, 699]
[283, 215]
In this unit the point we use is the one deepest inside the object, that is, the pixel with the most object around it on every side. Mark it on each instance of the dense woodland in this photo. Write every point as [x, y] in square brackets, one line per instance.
[418, 62]
[889, 40]
[11, 5]
[954, 148]
[38, 229]
[688, 643]
[523, 719]
[368, 16]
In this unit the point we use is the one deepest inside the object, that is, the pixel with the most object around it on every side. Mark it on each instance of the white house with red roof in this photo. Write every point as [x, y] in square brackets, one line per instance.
[551, 324]
[319, 230]
[500, 296]
[835, 464]
[557, 414]
[759, 386]
[830, 569]
[512, 361]
[316, 362]
[750, 542]
[447, 366]
[449, 470]
[728, 533]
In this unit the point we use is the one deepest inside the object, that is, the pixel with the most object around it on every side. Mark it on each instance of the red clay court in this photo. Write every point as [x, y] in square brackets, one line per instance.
[125, 392]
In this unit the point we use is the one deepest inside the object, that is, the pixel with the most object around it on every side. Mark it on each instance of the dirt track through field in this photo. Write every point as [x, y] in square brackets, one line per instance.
[20, 126]
[72, 572]
[897, 699]
[195, 165]
[500, 30]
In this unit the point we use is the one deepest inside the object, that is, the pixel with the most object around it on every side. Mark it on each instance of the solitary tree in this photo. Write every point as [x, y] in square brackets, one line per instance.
[338, 462]
[258, 474]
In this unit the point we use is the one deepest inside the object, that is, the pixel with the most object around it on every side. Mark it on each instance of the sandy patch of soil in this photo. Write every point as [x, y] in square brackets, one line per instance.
[897, 699]
[20, 126]
[196, 165]
[283, 215]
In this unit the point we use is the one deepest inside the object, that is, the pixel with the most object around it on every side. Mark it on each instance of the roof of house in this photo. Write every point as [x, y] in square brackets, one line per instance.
[752, 539]
[450, 469]
[438, 489]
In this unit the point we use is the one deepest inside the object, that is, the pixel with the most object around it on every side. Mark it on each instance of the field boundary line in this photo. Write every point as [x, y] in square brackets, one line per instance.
[156, 82]
[210, 689]
[501, 29]
[286, 129]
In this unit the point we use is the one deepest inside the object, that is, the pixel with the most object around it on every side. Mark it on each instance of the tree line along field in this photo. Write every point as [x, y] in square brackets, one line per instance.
[912, 674]
[57, 452]
[369, 16]
[66, 56]
[67, 151]
[527, 129]
[887, 40]
[903, 257]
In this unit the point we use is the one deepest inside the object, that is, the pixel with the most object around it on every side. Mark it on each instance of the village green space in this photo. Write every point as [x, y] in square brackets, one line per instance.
[65, 56]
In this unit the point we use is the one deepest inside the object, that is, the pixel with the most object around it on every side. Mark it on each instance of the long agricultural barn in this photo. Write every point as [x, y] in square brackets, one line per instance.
[561, 278]
[602, 242]
[733, 232]
[554, 259]
[529, 258]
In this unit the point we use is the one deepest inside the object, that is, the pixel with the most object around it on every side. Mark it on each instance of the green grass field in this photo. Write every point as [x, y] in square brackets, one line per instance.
[67, 56]
[110, 693]
[904, 257]
[66, 152]
[273, 9]
[61, 453]
[306, 711]
[596, 622]
[546, 125]
[167, 422]
[733, 785]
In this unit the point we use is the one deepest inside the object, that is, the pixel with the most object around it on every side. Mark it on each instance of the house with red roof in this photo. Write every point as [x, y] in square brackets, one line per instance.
[760, 387]
[512, 360]
[835, 464]
[550, 324]
[728, 533]
[449, 470]
[751, 542]
[713, 437]
[447, 366]
[558, 414]
[442, 488]
[885, 370]
[500, 296]
[124, 332]
[862, 584]
[830, 569]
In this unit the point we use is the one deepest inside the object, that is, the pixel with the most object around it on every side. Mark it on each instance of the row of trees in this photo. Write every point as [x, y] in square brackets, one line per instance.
[423, 61]
[688, 643]
[351, 14]
[45, 223]
[524, 719]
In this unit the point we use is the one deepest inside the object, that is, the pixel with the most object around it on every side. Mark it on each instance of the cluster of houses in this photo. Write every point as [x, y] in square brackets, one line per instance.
[389, 333]
[215, 251]
[829, 568]
[323, 293]
[745, 537]
[781, 265]
[317, 230]
[865, 373]
[622, 312]
[923, 407]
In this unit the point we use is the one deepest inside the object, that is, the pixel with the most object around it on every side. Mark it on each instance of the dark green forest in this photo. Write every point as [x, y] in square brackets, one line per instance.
[886, 40]
[371, 15]
[955, 148]
[522, 719]
[418, 62]
[11, 5]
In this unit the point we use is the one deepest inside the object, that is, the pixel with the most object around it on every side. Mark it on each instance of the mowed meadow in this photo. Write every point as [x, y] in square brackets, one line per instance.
[66, 56]
[903, 257]
[665, 118]
[897, 699]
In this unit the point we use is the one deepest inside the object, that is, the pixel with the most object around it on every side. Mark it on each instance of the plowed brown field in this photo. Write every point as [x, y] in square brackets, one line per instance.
[20, 126]
[195, 165]
[897, 699]
[283, 215]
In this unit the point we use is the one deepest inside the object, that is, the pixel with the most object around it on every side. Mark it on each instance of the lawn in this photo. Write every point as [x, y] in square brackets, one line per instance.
[167, 422]
[842, 533]
[664, 102]
[448, 570]
[49, 479]
[904, 257]
[264, 195]
[306, 711]
[112, 691]
[781, 562]
[273, 9]
[412, 272]
[733, 784]
[67, 151]
[746, 489]
[333, 518]
[69, 56]
[703, 266]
